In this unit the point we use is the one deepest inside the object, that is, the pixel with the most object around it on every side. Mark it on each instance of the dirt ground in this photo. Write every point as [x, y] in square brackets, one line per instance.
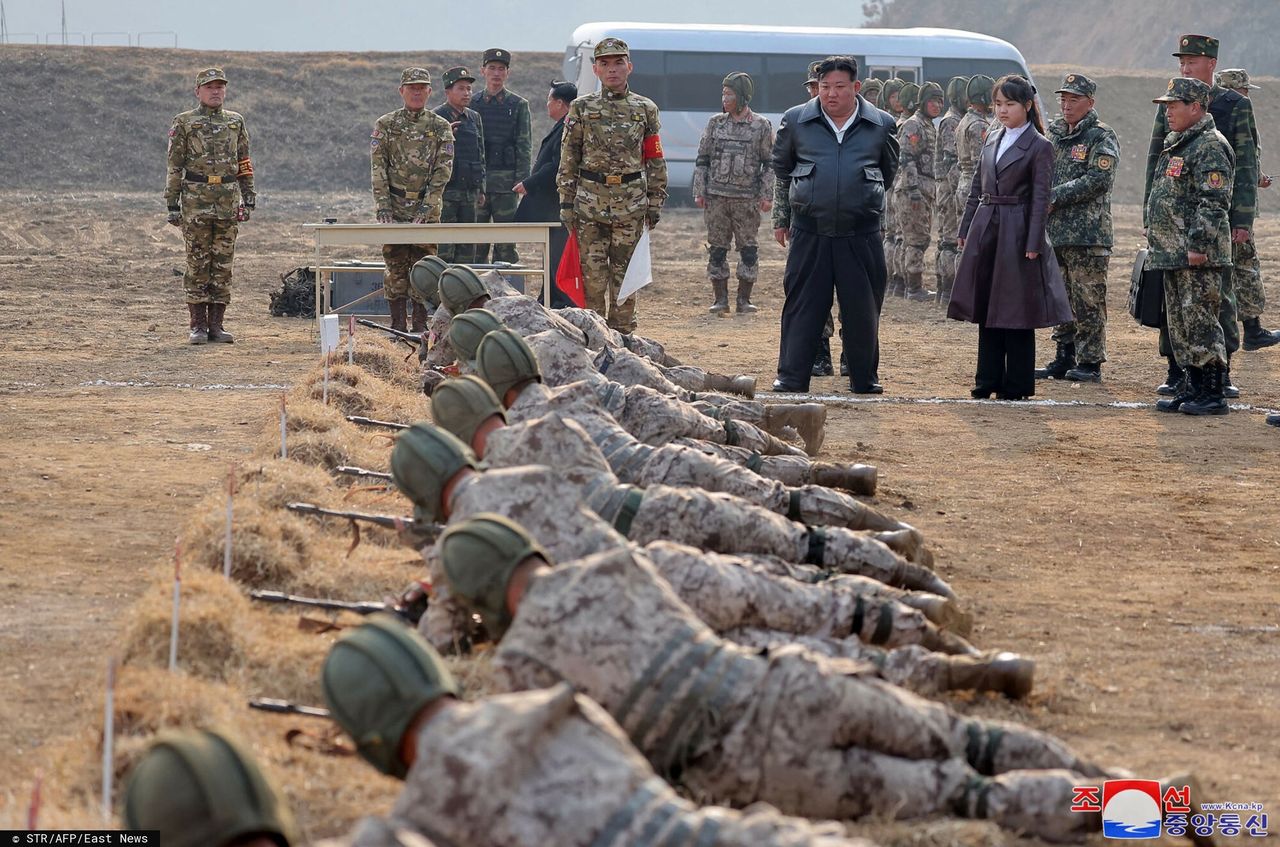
[1135, 556]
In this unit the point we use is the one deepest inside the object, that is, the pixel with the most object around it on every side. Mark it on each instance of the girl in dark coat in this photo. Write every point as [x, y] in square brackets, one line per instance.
[1008, 282]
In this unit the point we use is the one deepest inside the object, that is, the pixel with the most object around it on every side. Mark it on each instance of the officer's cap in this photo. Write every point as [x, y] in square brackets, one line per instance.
[813, 73]
[209, 75]
[415, 76]
[455, 74]
[496, 54]
[611, 47]
[1236, 78]
[1187, 90]
[1077, 84]
[1197, 45]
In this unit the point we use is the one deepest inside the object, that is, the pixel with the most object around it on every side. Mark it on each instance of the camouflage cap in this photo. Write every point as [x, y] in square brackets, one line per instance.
[424, 459]
[1237, 78]
[1197, 45]
[424, 276]
[455, 74]
[479, 556]
[460, 286]
[460, 405]
[209, 75]
[466, 330]
[1187, 90]
[376, 679]
[496, 54]
[611, 47]
[909, 96]
[813, 73]
[198, 788]
[979, 89]
[504, 360]
[741, 85]
[956, 91]
[931, 91]
[415, 76]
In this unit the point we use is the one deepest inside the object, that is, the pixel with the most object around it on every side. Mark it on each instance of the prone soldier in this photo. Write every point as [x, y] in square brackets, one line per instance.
[464, 193]
[508, 148]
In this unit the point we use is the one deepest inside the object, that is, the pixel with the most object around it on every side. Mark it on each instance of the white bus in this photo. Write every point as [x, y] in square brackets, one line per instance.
[680, 67]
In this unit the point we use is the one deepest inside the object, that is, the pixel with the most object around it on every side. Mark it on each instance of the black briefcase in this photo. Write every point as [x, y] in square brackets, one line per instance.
[1146, 293]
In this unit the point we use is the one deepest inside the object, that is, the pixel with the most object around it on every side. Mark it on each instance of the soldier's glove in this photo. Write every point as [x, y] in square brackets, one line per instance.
[174, 218]
[384, 216]
[566, 216]
[242, 212]
[651, 218]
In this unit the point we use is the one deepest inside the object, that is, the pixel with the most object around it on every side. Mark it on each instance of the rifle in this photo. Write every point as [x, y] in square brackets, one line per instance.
[284, 707]
[357, 419]
[409, 337]
[426, 531]
[409, 606]
[351, 470]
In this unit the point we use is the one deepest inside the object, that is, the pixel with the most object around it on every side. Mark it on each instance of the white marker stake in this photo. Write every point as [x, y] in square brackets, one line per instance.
[324, 393]
[284, 448]
[226, 553]
[351, 339]
[108, 739]
[177, 598]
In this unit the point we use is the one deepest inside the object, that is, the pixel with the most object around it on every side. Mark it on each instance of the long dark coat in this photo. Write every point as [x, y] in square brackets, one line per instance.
[542, 203]
[996, 284]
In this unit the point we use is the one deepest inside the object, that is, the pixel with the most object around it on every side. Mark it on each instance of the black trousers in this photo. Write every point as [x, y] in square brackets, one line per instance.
[851, 266]
[1006, 362]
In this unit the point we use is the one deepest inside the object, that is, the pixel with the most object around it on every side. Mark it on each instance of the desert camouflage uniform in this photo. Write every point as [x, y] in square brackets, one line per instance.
[1187, 209]
[601, 335]
[461, 197]
[733, 173]
[214, 144]
[410, 161]
[814, 736]
[918, 139]
[1079, 227]
[946, 201]
[377, 832]
[611, 136]
[971, 134]
[551, 767]
[508, 155]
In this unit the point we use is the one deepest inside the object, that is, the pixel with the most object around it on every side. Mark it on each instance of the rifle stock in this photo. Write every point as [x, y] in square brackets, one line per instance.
[410, 608]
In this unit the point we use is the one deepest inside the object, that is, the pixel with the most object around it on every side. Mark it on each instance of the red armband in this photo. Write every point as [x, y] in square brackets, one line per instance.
[652, 147]
[244, 168]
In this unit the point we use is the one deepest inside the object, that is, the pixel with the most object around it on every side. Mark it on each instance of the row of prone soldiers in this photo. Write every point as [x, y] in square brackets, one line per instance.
[701, 636]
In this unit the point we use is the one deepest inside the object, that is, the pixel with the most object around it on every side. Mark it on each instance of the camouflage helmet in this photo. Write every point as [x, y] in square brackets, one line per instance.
[979, 90]
[459, 288]
[377, 678]
[504, 360]
[424, 459]
[931, 91]
[890, 88]
[956, 95]
[460, 405]
[200, 788]
[909, 97]
[1236, 78]
[871, 90]
[741, 85]
[479, 556]
[424, 276]
[466, 330]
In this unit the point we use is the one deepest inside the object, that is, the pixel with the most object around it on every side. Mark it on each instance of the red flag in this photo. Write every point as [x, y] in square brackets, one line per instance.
[569, 274]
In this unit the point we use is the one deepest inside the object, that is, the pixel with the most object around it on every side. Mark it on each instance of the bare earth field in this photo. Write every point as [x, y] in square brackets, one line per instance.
[1135, 556]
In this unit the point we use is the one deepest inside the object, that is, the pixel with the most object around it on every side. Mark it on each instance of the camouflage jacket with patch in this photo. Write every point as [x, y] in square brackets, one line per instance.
[735, 158]
[411, 161]
[210, 143]
[1187, 209]
[1084, 169]
[971, 134]
[918, 142]
[612, 135]
[945, 167]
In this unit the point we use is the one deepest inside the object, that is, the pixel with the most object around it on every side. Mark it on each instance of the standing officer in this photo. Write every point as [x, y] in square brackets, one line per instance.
[1085, 154]
[918, 140]
[733, 182]
[946, 204]
[971, 134]
[209, 170]
[411, 161]
[1189, 238]
[613, 179]
[508, 148]
[465, 191]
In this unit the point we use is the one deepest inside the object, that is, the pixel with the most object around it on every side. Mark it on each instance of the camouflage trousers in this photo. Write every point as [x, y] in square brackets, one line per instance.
[1192, 299]
[657, 419]
[890, 234]
[789, 470]
[915, 222]
[400, 259]
[1246, 275]
[459, 207]
[500, 208]
[731, 219]
[1084, 270]
[606, 248]
[947, 210]
[211, 245]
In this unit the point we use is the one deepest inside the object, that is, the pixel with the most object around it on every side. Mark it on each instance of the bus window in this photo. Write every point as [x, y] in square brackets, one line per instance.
[783, 85]
[647, 76]
[905, 74]
[942, 70]
[880, 73]
[695, 78]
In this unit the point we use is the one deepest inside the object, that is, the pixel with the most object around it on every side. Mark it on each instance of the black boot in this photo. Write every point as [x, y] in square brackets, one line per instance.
[1209, 401]
[1187, 390]
[1273, 419]
[1229, 389]
[844, 363]
[1256, 337]
[822, 362]
[1171, 381]
[720, 289]
[1063, 361]
[1085, 372]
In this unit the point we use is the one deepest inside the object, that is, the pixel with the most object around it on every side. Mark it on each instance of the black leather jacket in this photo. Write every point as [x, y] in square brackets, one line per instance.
[831, 188]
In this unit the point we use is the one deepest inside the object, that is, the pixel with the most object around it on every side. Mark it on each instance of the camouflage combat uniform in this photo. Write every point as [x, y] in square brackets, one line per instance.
[508, 144]
[1085, 158]
[946, 201]
[462, 193]
[209, 175]
[612, 176]
[410, 162]
[815, 737]
[971, 134]
[918, 140]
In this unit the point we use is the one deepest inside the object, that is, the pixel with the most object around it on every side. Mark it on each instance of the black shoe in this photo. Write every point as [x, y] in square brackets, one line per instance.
[1256, 337]
[1273, 420]
[1013, 397]
[822, 362]
[1229, 389]
[1210, 400]
[1187, 390]
[981, 393]
[844, 364]
[873, 388]
[779, 385]
[1084, 373]
[1171, 381]
[1063, 361]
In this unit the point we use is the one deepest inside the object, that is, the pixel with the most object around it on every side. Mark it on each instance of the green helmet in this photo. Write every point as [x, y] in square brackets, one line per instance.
[466, 330]
[931, 91]
[424, 459]
[909, 97]
[956, 92]
[871, 90]
[890, 88]
[504, 360]
[741, 85]
[424, 276]
[200, 789]
[461, 405]
[978, 91]
[479, 555]
[376, 680]
[459, 287]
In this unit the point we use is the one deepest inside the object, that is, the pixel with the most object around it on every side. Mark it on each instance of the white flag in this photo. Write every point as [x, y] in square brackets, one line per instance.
[639, 269]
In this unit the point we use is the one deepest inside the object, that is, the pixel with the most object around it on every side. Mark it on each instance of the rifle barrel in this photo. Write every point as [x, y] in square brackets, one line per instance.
[360, 607]
[351, 470]
[398, 333]
[284, 707]
[358, 419]
[391, 521]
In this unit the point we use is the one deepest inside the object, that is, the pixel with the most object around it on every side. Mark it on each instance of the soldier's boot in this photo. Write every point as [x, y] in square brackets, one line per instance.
[1273, 419]
[943, 613]
[1064, 360]
[1008, 673]
[399, 314]
[857, 479]
[720, 287]
[1085, 372]
[199, 319]
[1172, 380]
[808, 419]
[916, 291]
[907, 543]
[744, 386]
[1188, 389]
[1032, 802]
[1256, 337]
[744, 304]
[822, 361]
[216, 332]
[1209, 400]
[419, 317]
[1229, 389]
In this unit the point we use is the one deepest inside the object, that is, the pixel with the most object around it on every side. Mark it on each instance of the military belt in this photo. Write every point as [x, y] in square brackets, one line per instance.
[1000, 200]
[205, 178]
[610, 179]
[400, 192]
